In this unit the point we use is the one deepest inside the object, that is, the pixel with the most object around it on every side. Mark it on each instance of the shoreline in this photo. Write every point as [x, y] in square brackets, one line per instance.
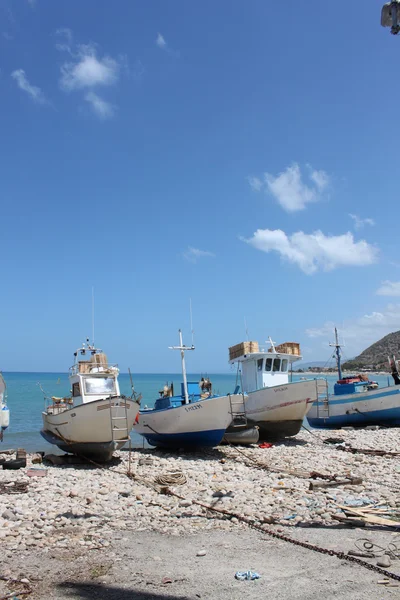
[345, 373]
[97, 516]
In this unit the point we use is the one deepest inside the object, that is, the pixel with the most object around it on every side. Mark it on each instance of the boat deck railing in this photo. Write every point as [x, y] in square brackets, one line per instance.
[87, 367]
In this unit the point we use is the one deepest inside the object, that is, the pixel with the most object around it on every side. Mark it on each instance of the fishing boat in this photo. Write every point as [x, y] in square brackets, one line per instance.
[194, 418]
[4, 410]
[357, 400]
[96, 419]
[275, 405]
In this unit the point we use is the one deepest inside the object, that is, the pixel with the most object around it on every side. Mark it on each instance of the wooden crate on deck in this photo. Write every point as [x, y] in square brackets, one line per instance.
[289, 348]
[242, 349]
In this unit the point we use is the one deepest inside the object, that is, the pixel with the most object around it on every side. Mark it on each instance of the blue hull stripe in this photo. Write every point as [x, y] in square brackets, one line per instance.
[358, 397]
[390, 417]
[187, 440]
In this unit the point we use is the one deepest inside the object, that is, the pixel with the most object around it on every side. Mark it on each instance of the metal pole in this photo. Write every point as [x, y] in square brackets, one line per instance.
[185, 390]
[338, 354]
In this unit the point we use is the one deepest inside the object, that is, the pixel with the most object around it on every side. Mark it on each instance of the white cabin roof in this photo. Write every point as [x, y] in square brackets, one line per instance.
[266, 354]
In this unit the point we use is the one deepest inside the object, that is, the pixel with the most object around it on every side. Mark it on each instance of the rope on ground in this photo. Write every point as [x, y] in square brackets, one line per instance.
[365, 545]
[367, 451]
[272, 469]
[313, 434]
[174, 478]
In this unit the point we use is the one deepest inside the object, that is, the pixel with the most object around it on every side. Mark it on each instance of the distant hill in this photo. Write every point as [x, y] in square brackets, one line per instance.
[376, 356]
[306, 365]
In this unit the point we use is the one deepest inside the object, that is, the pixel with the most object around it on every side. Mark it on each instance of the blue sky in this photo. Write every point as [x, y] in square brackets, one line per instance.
[243, 155]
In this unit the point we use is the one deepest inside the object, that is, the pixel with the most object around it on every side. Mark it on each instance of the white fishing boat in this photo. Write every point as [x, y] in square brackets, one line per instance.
[194, 418]
[4, 410]
[96, 419]
[275, 405]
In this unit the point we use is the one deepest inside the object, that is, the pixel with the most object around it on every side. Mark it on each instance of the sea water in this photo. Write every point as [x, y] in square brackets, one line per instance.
[26, 401]
[26, 391]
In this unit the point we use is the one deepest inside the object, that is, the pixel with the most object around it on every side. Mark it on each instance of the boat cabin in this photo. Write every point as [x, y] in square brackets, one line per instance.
[262, 369]
[354, 385]
[195, 394]
[92, 378]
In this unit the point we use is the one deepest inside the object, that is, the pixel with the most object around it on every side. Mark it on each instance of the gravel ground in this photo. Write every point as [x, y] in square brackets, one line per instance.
[83, 532]
[147, 566]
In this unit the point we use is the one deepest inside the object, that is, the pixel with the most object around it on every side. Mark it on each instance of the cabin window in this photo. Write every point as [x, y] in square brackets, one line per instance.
[260, 364]
[100, 385]
[284, 365]
[277, 364]
[268, 364]
[76, 390]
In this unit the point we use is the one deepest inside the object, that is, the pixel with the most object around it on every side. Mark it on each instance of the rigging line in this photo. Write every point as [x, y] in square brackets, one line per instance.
[93, 315]
[191, 320]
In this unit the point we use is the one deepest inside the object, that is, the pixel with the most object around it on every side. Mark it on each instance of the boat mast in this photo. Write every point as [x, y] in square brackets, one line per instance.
[182, 349]
[338, 355]
[93, 316]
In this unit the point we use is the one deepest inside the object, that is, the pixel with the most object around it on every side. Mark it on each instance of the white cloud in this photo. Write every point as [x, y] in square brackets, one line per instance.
[361, 332]
[193, 254]
[359, 223]
[255, 183]
[315, 251]
[32, 90]
[389, 288]
[64, 34]
[320, 178]
[87, 70]
[289, 189]
[104, 110]
[160, 41]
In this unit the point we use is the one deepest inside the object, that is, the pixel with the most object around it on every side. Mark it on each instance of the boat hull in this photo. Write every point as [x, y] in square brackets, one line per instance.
[86, 429]
[279, 411]
[191, 425]
[243, 436]
[373, 407]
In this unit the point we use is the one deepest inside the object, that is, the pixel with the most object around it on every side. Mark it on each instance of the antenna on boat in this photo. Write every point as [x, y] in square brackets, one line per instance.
[337, 346]
[272, 344]
[182, 349]
[93, 316]
[246, 329]
[130, 377]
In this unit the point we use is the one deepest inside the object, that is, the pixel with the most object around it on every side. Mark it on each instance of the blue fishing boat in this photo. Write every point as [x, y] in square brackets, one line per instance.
[357, 400]
[194, 418]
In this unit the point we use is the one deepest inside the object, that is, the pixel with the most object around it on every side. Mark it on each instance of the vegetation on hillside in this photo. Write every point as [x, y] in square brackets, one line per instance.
[375, 357]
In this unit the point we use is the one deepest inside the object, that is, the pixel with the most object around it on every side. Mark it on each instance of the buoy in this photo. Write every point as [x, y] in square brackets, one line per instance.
[4, 417]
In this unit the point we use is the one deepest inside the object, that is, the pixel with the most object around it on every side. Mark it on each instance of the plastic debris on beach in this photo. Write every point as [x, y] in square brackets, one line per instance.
[246, 575]
[351, 501]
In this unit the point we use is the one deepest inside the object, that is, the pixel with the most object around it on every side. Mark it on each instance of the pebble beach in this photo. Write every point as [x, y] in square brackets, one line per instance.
[83, 509]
